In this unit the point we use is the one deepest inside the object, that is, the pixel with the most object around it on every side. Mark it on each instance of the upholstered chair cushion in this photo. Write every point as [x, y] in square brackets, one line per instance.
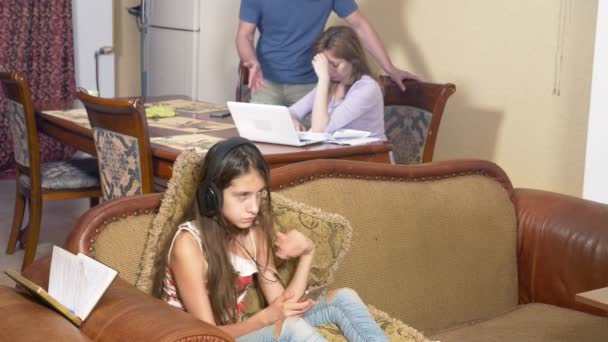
[406, 128]
[18, 131]
[119, 162]
[69, 174]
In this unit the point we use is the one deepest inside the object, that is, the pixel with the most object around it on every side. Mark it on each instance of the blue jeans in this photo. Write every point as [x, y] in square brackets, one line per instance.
[345, 309]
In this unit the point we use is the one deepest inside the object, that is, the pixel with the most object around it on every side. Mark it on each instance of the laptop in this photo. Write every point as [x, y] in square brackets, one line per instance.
[267, 123]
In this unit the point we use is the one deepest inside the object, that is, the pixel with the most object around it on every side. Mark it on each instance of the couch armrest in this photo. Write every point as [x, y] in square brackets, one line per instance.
[24, 319]
[84, 232]
[126, 314]
[562, 247]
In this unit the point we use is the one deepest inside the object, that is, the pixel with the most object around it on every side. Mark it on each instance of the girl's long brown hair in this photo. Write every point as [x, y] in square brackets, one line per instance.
[343, 42]
[217, 234]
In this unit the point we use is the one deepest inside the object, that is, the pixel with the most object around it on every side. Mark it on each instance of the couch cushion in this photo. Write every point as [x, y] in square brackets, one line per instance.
[432, 252]
[532, 322]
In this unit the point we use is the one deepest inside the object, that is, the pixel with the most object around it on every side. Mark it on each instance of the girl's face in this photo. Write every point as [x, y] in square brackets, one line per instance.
[340, 70]
[242, 199]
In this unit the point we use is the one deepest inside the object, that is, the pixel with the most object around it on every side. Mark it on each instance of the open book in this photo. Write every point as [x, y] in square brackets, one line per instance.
[341, 136]
[76, 283]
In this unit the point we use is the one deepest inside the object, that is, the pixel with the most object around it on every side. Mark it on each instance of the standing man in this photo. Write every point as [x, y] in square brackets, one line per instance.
[281, 71]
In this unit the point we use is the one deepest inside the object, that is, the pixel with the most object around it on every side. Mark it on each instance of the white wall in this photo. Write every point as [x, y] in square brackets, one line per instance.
[218, 58]
[506, 58]
[92, 21]
[596, 163]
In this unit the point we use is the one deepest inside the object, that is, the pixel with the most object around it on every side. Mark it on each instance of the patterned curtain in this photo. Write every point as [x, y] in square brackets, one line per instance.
[36, 39]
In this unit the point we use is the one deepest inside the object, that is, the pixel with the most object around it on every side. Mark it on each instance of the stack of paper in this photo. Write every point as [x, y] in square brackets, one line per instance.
[342, 137]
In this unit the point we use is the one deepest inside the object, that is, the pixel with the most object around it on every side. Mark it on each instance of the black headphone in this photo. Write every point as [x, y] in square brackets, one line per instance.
[209, 194]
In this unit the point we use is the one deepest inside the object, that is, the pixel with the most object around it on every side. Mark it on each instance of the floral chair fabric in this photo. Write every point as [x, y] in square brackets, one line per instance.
[19, 131]
[406, 128]
[119, 163]
[69, 174]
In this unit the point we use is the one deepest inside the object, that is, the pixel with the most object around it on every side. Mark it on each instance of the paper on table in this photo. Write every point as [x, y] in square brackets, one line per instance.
[313, 136]
[337, 135]
[352, 142]
[350, 134]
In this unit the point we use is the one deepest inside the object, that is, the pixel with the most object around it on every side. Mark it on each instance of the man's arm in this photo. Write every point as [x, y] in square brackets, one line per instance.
[371, 41]
[244, 45]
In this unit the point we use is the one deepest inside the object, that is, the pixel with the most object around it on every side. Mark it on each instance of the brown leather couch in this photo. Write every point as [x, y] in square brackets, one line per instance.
[450, 248]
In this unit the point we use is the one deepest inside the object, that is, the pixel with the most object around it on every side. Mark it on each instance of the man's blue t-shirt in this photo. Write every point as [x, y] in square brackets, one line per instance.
[288, 30]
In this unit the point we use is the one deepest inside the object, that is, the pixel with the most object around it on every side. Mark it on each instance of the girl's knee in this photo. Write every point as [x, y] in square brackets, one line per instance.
[289, 326]
[344, 292]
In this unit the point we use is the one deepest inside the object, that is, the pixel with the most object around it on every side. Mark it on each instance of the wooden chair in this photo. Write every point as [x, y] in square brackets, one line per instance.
[37, 181]
[120, 132]
[411, 118]
[243, 92]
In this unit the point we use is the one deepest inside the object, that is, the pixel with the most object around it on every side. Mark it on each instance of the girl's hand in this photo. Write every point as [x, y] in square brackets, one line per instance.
[292, 245]
[283, 307]
[298, 125]
[321, 66]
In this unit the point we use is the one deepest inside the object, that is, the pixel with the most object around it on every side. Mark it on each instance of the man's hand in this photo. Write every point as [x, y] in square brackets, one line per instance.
[398, 75]
[256, 79]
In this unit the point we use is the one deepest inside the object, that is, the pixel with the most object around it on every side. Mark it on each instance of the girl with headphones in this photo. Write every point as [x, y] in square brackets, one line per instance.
[229, 244]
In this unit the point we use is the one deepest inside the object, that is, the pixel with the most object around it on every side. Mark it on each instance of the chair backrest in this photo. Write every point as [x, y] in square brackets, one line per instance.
[411, 118]
[122, 141]
[20, 109]
[243, 92]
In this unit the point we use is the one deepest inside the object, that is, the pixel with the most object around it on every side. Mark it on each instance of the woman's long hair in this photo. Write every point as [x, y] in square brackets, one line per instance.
[218, 234]
[343, 43]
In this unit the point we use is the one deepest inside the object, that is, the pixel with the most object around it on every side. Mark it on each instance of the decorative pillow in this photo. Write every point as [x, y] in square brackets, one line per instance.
[176, 203]
[330, 232]
[395, 330]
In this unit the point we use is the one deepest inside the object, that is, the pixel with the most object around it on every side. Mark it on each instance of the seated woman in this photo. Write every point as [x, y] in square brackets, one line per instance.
[346, 95]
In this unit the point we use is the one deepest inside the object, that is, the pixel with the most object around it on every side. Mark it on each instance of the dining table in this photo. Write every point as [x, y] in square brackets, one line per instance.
[193, 127]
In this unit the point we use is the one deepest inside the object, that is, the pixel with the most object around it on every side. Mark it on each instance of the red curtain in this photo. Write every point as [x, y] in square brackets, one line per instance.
[36, 38]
